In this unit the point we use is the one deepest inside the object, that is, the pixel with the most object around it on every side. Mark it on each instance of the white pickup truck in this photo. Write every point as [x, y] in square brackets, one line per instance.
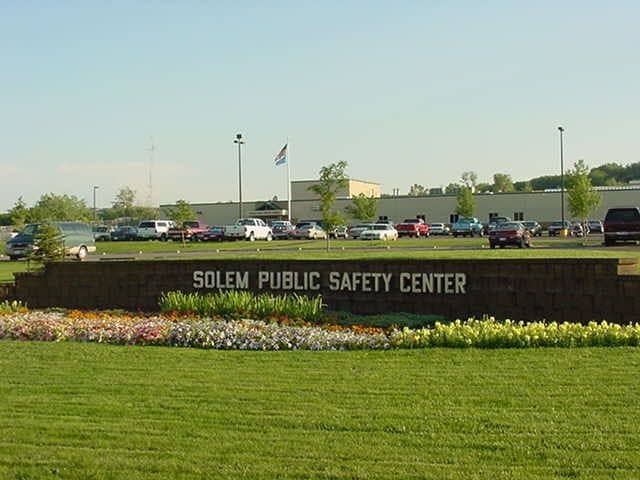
[248, 229]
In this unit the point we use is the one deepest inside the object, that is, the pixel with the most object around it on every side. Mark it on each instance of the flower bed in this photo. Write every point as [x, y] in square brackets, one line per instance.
[119, 328]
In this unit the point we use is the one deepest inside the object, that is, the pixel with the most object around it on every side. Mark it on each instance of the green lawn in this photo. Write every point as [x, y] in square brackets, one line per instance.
[8, 268]
[78, 411]
[411, 243]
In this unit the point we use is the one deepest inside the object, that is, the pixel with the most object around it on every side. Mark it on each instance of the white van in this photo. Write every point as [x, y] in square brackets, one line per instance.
[154, 229]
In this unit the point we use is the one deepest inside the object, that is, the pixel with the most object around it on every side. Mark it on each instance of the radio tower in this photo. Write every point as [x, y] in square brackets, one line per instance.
[151, 151]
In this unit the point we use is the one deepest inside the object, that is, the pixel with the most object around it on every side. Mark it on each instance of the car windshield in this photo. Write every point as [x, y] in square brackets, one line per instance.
[508, 226]
[148, 225]
[412, 220]
[29, 229]
[529, 224]
[379, 227]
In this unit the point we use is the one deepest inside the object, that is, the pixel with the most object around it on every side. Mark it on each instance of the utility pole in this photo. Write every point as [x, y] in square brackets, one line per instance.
[240, 142]
[95, 212]
[561, 130]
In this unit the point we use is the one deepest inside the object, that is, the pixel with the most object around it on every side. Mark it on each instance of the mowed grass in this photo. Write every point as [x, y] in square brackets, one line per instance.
[350, 244]
[88, 411]
[7, 270]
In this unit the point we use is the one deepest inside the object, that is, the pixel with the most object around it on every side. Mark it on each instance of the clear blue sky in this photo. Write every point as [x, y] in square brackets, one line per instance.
[405, 92]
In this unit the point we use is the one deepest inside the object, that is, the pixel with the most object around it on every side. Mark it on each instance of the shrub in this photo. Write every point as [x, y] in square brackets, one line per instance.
[242, 304]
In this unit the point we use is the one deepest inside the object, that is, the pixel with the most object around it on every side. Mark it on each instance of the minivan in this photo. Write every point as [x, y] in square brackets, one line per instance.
[154, 229]
[621, 224]
[77, 239]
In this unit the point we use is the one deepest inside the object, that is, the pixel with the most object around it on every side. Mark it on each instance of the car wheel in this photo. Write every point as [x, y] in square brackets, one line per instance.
[163, 237]
[82, 253]
[269, 237]
[251, 238]
[521, 243]
[492, 245]
[13, 258]
[608, 242]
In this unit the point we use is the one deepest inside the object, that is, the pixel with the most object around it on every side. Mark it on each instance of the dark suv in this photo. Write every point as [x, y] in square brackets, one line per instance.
[621, 224]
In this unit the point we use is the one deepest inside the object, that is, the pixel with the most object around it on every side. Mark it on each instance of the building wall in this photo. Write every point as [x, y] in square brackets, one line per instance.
[541, 206]
[300, 189]
[356, 187]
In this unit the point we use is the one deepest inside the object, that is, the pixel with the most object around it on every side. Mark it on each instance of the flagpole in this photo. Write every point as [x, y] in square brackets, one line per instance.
[288, 181]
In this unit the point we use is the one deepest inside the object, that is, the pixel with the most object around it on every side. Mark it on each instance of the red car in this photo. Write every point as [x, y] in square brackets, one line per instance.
[213, 234]
[413, 227]
[510, 233]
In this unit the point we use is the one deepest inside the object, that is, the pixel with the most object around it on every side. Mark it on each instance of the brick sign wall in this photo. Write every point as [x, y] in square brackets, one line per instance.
[566, 289]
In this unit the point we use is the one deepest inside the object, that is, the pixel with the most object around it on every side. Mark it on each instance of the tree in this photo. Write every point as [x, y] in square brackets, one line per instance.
[181, 213]
[332, 179]
[502, 183]
[18, 214]
[581, 196]
[484, 188]
[363, 208]
[125, 198]
[51, 207]
[469, 180]
[48, 244]
[417, 190]
[452, 189]
[466, 204]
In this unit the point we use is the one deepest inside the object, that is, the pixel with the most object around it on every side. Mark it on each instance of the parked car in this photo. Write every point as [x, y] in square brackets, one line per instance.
[467, 226]
[535, 229]
[339, 232]
[124, 232]
[102, 233]
[281, 229]
[249, 229]
[621, 224]
[379, 232]
[356, 230]
[77, 239]
[212, 234]
[188, 231]
[413, 227]
[493, 222]
[510, 233]
[595, 226]
[308, 231]
[154, 229]
[555, 227]
[438, 229]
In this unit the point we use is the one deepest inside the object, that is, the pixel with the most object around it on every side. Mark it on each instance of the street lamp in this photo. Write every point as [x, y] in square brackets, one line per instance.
[240, 142]
[95, 212]
[561, 130]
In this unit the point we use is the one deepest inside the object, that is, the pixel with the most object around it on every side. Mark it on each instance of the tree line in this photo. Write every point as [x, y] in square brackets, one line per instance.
[52, 207]
[609, 174]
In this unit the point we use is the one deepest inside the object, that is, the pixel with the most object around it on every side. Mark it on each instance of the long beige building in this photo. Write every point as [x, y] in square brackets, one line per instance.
[541, 206]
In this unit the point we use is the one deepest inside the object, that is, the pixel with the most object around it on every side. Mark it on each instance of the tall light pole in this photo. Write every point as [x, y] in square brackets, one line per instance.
[95, 212]
[561, 130]
[240, 142]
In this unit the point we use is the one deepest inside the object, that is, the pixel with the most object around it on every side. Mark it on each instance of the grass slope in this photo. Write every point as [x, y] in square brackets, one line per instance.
[79, 411]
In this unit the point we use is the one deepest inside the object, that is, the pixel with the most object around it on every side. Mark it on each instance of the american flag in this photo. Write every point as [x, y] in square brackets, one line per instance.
[281, 158]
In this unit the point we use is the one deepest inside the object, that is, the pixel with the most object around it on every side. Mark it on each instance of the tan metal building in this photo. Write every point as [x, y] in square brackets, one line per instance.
[300, 189]
[541, 206]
